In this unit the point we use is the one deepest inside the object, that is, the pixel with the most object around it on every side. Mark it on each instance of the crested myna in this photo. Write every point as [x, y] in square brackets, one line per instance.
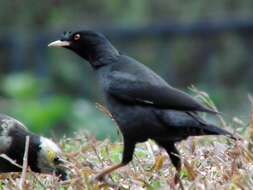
[143, 104]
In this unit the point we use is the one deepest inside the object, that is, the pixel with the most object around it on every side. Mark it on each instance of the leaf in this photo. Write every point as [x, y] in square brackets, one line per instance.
[190, 170]
[238, 180]
[159, 163]
[156, 184]
[248, 155]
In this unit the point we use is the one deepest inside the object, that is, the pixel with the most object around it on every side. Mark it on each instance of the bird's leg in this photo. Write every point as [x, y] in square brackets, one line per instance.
[177, 163]
[127, 157]
[175, 159]
[101, 175]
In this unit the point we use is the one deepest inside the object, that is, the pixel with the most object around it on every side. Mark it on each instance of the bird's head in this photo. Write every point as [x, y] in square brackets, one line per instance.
[88, 44]
[50, 158]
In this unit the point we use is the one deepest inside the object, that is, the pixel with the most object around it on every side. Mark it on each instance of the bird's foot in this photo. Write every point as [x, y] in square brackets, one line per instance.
[103, 181]
[101, 176]
[177, 180]
[98, 177]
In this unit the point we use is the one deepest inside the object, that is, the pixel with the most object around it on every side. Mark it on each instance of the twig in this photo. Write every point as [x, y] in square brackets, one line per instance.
[4, 156]
[97, 154]
[108, 113]
[25, 162]
[150, 150]
[100, 159]
[39, 181]
[104, 110]
[204, 97]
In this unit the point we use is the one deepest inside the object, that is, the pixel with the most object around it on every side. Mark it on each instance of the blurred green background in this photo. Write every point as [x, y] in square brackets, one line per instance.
[205, 43]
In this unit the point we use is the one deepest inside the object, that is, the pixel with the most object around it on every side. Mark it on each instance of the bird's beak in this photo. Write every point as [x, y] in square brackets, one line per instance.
[59, 43]
[61, 161]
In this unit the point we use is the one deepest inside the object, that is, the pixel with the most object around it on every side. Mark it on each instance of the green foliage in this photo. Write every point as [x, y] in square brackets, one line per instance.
[21, 86]
[43, 115]
[1, 186]
[29, 102]
[156, 184]
[116, 154]
[87, 116]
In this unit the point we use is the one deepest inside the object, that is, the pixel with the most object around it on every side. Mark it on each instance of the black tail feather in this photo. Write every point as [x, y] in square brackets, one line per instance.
[213, 130]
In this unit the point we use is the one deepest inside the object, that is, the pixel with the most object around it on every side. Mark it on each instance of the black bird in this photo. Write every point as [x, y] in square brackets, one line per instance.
[143, 104]
[44, 156]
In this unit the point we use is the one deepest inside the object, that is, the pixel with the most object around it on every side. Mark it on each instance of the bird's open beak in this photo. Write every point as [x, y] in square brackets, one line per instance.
[59, 43]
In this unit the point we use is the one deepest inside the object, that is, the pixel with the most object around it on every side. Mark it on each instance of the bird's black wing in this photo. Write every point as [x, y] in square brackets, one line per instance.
[129, 89]
[7, 166]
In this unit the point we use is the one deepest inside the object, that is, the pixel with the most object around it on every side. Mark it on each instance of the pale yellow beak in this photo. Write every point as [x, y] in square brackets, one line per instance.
[59, 43]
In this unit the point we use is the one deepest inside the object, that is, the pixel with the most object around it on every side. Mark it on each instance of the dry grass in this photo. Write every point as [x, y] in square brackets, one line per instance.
[209, 163]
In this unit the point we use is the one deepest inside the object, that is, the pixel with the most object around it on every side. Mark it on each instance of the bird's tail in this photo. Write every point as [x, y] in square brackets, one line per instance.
[214, 130]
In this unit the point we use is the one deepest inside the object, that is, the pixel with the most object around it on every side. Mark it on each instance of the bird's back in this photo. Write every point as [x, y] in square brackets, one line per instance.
[138, 71]
[10, 130]
[7, 123]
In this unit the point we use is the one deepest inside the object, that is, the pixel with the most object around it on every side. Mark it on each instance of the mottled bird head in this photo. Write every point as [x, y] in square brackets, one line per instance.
[88, 44]
[49, 158]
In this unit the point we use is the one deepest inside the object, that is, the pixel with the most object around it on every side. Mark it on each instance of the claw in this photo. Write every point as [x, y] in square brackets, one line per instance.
[98, 177]
[177, 180]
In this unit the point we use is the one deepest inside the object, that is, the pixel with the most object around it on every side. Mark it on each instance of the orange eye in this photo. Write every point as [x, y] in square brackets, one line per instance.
[77, 37]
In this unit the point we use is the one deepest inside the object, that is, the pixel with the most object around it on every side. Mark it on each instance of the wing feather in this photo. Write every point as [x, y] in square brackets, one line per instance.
[129, 89]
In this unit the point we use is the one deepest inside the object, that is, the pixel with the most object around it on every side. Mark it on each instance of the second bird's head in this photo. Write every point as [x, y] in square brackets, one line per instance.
[49, 158]
[88, 44]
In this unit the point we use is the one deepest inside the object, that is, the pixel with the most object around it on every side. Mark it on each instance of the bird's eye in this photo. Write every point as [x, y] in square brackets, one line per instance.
[56, 160]
[77, 37]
